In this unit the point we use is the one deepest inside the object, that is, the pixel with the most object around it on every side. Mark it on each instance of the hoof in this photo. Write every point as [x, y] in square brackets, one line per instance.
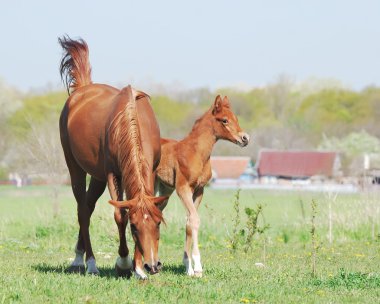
[94, 272]
[123, 273]
[76, 269]
[198, 274]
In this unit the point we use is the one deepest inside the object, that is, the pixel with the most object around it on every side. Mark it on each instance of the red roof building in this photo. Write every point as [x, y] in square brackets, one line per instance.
[229, 167]
[295, 164]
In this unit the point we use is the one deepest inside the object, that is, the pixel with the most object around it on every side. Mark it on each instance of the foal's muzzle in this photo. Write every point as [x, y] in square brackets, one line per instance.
[243, 139]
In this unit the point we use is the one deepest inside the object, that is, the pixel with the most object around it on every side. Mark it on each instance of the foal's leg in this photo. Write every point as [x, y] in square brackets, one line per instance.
[197, 198]
[124, 263]
[192, 226]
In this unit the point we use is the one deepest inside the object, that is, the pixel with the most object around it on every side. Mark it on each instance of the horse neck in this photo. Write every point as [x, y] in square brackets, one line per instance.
[130, 157]
[202, 137]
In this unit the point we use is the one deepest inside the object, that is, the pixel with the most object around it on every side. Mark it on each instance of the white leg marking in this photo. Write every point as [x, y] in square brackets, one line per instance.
[139, 274]
[91, 266]
[124, 263]
[79, 258]
[189, 267]
[197, 263]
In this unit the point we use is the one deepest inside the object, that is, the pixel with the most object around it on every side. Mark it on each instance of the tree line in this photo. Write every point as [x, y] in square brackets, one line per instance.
[280, 115]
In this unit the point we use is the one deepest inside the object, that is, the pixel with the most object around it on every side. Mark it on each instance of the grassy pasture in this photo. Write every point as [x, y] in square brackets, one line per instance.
[35, 248]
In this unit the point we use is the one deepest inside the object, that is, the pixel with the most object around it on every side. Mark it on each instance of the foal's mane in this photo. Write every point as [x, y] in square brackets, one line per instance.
[131, 161]
[201, 119]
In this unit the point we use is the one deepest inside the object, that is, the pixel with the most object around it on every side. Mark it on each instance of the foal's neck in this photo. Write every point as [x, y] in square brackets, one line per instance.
[202, 137]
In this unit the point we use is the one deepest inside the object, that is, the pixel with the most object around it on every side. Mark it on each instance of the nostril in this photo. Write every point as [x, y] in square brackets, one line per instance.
[154, 270]
[147, 267]
[244, 138]
[159, 265]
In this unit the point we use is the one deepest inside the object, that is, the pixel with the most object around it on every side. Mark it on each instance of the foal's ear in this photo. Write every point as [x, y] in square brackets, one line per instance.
[218, 103]
[226, 102]
[123, 204]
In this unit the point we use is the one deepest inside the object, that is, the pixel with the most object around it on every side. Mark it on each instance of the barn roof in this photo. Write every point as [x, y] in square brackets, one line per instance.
[295, 163]
[229, 166]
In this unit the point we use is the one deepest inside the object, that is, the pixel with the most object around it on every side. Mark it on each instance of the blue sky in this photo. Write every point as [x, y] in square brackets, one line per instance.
[195, 43]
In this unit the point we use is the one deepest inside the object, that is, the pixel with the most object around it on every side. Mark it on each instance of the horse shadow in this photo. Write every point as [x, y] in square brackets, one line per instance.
[108, 272]
[104, 271]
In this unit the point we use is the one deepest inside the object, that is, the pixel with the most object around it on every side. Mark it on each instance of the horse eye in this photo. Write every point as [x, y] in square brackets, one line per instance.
[158, 224]
[225, 121]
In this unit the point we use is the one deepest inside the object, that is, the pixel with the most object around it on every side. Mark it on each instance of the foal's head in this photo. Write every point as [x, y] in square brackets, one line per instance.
[225, 123]
[145, 218]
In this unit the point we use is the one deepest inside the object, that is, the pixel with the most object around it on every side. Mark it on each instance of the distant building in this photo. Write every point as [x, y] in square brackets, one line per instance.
[230, 167]
[296, 164]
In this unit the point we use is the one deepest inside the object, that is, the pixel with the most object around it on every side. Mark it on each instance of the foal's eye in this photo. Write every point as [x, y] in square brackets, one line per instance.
[225, 121]
[158, 224]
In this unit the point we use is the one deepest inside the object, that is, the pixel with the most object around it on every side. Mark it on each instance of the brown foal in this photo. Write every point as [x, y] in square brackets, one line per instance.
[185, 167]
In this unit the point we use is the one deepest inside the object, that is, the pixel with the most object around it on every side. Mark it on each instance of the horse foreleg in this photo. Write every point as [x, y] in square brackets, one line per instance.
[138, 265]
[192, 226]
[123, 265]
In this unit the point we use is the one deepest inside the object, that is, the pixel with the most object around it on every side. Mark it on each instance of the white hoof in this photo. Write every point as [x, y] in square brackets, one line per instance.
[124, 263]
[198, 274]
[189, 267]
[91, 266]
[139, 274]
[79, 259]
[197, 265]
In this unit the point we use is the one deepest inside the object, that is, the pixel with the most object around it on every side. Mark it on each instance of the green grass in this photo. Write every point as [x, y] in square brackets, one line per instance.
[36, 247]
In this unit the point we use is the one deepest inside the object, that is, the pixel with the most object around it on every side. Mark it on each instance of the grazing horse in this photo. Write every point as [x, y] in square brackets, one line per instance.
[113, 136]
[185, 166]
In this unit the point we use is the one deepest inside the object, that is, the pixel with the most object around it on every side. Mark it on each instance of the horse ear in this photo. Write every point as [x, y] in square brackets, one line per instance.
[217, 105]
[160, 201]
[123, 204]
[226, 102]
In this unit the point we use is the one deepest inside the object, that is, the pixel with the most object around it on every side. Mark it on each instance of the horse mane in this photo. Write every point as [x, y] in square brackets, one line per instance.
[75, 68]
[131, 161]
[200, 120]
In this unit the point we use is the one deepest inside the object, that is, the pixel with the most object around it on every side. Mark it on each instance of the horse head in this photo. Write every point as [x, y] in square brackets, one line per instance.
[225, 123]
[145, 218]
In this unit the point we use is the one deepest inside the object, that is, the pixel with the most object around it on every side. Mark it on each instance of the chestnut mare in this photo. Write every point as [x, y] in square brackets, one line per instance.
[113, 136]
[185, 166]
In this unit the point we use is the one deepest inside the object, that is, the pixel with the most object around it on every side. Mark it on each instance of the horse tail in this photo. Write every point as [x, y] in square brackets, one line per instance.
[75, 68]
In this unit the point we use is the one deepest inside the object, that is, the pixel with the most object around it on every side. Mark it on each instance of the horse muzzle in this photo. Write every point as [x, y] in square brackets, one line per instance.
[153, 269]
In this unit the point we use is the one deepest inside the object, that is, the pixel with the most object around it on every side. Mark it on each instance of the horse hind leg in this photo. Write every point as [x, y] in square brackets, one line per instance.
[86, 204]
[78, 185]
[95, 190]
[124, 264]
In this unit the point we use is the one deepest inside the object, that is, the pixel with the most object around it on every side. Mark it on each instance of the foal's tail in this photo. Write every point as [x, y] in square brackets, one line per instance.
[75, 68]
